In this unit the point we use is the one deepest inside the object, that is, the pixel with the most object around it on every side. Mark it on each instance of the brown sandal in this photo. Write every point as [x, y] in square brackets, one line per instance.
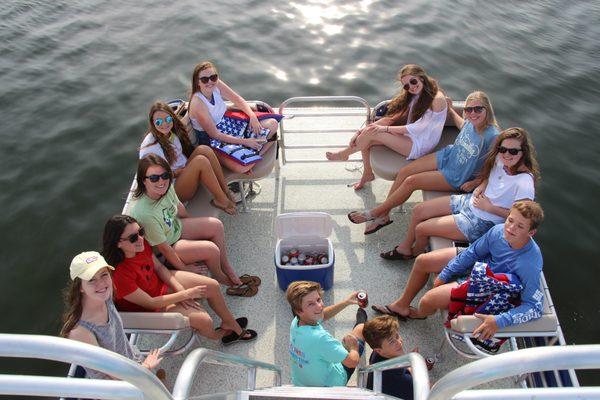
[244, 290]
[250, 280]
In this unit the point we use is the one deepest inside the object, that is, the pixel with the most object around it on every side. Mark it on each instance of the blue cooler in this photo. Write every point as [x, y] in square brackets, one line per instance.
[308, 232]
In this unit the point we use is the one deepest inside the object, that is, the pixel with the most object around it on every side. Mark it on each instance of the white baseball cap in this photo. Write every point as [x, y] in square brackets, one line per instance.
[86, 264]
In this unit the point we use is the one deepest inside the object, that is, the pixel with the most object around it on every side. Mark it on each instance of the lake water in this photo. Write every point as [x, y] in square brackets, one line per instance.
[77, 79]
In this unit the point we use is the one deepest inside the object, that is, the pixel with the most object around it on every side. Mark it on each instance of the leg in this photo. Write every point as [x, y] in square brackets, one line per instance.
[423, 164]
[439, 226]
[367, 175]
[208, 152]
[191, 251]
[232, 165]
[421, 213]
[271, 124]
[210, 229]
[436, 299]
[425, 264]
[401, 144]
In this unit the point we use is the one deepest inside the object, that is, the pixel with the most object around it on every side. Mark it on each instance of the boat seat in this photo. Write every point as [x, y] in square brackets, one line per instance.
[173, 325]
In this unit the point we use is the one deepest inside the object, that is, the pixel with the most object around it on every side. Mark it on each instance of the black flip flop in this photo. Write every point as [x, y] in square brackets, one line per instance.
[395, 255]
[234, 337]
[387, 311]
[378, 227]
[242, 322]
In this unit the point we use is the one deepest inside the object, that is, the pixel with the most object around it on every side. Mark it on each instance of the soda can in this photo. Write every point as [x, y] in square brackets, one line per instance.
[284, 259]
[294, 253]
[324, 260]
[301, 258]
[363, 299]
[294, 261]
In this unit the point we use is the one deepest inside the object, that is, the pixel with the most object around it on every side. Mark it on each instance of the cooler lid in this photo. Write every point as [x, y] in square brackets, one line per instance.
[303, 224]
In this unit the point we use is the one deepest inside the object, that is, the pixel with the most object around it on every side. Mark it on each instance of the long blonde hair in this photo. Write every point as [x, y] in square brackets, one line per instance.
[73, 299]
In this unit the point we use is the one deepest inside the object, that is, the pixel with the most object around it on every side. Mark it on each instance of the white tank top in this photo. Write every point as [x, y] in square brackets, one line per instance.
[216, 110]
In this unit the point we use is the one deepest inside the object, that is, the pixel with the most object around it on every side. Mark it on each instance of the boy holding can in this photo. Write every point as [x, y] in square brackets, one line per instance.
[317, 358]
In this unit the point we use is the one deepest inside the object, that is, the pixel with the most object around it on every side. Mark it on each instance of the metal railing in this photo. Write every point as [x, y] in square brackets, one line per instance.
[189, 368]
[317, 99]
[454, 385]
[413, 360]
[134, 381]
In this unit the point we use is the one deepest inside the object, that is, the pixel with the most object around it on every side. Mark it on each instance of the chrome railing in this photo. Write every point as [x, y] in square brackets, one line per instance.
[454, 385]
[134, 381]
[413, 360]
[364, 111]
[189, 368]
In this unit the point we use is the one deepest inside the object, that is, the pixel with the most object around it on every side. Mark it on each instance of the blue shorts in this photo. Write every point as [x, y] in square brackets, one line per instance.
[468, 223]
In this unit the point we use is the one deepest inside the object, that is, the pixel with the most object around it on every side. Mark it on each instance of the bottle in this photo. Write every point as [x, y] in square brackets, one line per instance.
[363, 298]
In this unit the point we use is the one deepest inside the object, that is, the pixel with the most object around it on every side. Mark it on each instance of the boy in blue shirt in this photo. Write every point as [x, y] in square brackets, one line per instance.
[317, 358]
[506, 248]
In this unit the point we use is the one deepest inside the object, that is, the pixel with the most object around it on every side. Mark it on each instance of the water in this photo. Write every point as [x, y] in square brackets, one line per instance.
[77, 79]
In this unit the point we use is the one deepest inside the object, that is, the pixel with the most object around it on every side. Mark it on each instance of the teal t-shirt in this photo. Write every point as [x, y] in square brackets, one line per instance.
[316, 356]
[158, 217]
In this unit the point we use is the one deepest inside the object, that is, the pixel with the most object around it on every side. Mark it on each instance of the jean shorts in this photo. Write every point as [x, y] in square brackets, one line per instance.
[202, 138]
[468, 223]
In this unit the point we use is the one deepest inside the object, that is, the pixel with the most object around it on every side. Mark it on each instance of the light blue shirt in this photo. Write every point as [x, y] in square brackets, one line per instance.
[316, 356]
[526, 262]
[459, 162]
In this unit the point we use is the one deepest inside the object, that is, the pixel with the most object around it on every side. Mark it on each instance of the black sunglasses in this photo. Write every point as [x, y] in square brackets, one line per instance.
[512, 152]
[412, 82]
[477, 109]
[154, 178]
[134, 236]
[205, 79]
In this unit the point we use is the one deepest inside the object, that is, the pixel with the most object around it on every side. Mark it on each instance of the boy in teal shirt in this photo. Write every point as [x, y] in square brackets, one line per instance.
[317, 358]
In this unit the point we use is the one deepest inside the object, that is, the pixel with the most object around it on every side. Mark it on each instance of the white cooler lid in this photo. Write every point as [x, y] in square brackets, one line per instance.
[303, 224]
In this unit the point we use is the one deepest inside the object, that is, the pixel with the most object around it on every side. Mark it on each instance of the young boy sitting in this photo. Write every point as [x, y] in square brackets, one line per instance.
[381, 333]
[317, 358]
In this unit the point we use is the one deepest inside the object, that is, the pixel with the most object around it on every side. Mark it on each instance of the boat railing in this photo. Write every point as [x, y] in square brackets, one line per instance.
[418, 371]
[189, 368]
[455, 384]
[134, 381]
[313, 111]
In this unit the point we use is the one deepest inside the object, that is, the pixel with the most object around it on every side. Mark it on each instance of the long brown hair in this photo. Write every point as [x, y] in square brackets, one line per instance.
[399, 106]
[72, 297]
[528, 159]
[146, 162]
[113, 229]
[195, 78]
[178, 130]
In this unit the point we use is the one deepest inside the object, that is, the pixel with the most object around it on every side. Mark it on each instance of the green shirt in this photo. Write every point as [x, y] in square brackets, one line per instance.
[158, 217]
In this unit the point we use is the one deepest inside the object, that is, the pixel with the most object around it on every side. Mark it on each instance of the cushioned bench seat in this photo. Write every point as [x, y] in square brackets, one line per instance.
[154, 321]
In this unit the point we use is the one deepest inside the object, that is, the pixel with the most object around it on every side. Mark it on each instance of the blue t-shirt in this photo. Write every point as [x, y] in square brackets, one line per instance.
[459, 162]
[316, 356]
[526, 262]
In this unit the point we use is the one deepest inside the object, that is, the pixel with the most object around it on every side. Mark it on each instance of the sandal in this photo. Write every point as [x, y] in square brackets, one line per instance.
[245, 335]
[363, 214]
[250, 280]
[242, 322]
[244, 290]
[378, 223]
[230, 209]
[388, 311]
[396, 255]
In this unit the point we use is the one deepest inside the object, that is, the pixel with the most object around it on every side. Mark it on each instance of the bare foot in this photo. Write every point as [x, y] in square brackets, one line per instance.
[338, 156]
[363, 180]
[404, 249]
[227, 205]
[233, 278]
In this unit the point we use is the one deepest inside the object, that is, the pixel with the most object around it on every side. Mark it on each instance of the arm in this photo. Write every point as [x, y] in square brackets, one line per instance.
[240, 103]
[353, 357]
[144, 300]
[456, 118]
[483, 203]
[331, 311]
[469, 186]
[181, 211]
[165, 276]
[171, 256]
[459, 265]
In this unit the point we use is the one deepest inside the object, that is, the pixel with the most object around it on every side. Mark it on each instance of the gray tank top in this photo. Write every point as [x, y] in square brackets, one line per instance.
[111, 336]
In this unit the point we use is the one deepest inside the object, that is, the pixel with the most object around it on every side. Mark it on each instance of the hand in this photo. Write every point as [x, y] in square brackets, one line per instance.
[438, 282]
[477, 191]
[449, 103]
[255, 125]
[469, 186]
[482, 202]
[353, 140]
[350, 342]
[196, 292]
[255, 144]
[372, 129]
[487, 329]
[190, 304]
[153, 359]
[352, 298]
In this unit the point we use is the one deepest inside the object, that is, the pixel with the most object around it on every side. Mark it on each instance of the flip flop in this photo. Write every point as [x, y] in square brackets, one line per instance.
[365, 214]
[231, 209]
[242, 322]
[245, 335]
[386, 310]
[244, 290]
[250, 280]
[395, 255]
[379, 223]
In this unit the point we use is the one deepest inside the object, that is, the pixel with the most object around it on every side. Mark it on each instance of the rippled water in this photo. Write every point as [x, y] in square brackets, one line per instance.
[77, 79]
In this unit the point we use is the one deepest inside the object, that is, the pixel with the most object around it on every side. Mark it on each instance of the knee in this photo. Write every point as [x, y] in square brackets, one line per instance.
[271, 125]
[421, 229]
[428, 301]
[411, 182]
[213, 251]
[200, 320]
[212, 286]
[420, 264]
[201, 161]
[419, 212]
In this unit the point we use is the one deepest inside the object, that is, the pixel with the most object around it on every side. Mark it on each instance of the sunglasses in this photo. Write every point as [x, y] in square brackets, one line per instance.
[476, 109]
[412, 82]
[134, 236]
[154, 178]
[205, 79]
[159, 121]
[512, 152]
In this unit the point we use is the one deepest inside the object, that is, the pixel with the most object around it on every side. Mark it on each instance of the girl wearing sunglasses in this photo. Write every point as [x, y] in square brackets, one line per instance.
[168, 138]
[207, 108]
[452, 168]
[90, 315]
[143, 283]
[183, 240]
[509, 174]
[412, 125]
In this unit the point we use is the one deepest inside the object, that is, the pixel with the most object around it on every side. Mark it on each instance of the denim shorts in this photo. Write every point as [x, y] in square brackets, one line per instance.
[468, 223]
[202, 138]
